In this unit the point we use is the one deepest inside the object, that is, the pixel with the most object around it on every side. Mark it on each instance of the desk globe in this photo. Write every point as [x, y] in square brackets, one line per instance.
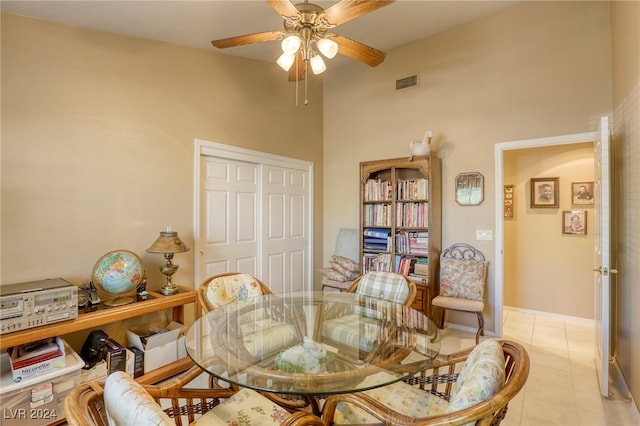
[117, 275]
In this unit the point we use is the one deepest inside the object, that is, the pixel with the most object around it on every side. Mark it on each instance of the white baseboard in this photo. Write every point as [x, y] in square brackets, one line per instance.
[549, 315]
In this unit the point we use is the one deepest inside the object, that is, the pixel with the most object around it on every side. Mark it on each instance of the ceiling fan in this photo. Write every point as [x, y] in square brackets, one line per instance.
[306, 32]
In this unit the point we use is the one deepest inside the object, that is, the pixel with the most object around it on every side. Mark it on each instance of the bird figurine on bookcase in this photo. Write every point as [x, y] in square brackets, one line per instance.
[418, 148]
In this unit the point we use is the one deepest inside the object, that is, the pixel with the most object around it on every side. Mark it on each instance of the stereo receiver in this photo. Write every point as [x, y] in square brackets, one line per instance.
[37, 303]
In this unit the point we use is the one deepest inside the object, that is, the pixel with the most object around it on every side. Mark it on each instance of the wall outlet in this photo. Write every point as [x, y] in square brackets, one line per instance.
[484, 235]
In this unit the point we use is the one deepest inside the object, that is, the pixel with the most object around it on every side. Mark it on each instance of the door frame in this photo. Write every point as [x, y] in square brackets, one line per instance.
[203, 147]
[499, 150]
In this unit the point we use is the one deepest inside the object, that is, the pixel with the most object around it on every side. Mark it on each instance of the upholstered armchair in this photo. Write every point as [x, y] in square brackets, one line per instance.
[120, 401]
[473, 386]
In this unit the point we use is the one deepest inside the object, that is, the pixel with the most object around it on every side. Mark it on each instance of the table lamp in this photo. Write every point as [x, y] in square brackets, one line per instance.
[168, 243]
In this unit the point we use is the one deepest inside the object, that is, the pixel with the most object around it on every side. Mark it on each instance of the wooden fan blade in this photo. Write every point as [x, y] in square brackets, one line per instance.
[346, 10]
[223, 43]
[283, 7]
[301, 68]
[358, 51]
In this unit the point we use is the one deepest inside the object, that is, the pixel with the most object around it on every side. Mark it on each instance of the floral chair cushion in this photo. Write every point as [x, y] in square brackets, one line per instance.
[128, 403]
[462, 278]
[399, 396]
[275, 336]
[482, 375]
[245, 408]
[231, 288]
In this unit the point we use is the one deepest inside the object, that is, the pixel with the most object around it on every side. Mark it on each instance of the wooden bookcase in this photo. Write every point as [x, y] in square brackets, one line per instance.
[400, 221]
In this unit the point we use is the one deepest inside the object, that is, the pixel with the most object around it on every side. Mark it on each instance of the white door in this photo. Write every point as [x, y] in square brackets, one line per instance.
[284, 234]
[229, 224]
[602, 258]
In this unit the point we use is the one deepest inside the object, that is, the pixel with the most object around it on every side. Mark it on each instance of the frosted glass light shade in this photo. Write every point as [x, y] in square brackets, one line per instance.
[327, 47]
[317, 64]
[291, 44]
[285, 61]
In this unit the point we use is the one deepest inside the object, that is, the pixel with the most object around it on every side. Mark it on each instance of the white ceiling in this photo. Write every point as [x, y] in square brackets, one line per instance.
[196, 23]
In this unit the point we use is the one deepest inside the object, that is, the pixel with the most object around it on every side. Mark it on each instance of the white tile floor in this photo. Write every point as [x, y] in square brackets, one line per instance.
[562, 387]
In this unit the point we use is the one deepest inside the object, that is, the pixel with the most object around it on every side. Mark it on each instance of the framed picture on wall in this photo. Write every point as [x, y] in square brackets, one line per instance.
[544, 192]
[574, 222]
[582, 193]
[508, 201]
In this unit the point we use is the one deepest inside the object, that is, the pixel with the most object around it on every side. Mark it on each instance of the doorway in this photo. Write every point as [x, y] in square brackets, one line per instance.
[500, 149]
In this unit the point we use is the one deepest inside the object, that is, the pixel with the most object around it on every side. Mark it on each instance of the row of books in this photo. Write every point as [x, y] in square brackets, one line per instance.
[377, 190]
[377, 215]
[376, 262]
[413, 266]
[411, 189]
[412, 242]
[412, 215]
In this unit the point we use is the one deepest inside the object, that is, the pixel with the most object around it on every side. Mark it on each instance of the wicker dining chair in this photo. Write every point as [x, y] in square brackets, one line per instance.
[86, 405]
[220, 289]
[433, 397]
[346, 330]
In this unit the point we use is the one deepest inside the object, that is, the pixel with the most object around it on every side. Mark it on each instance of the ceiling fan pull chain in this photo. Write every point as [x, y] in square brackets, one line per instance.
[297, 94]
[306, 101]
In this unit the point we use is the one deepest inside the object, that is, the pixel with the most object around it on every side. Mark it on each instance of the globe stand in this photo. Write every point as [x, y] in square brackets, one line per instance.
[168, 270]
[119, 301]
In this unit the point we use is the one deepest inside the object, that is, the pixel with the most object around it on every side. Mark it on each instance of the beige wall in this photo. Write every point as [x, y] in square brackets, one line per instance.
[535, 70]
[98, 142]
[546, 270]
[625, 36]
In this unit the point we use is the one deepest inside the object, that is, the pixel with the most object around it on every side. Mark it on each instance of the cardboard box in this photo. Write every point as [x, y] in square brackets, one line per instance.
[37, 401]
[116, 356]
[97, 372]
[158, 341]
[33, 359]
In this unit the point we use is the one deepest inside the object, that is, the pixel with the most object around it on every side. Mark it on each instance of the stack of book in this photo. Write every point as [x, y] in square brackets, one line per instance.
[420, 268]
[377, 239]
[418, 243]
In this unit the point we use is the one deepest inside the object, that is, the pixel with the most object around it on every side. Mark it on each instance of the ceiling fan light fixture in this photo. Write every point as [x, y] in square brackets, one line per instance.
[327, 47]
[285, 61]
[317, 64]
[291, 44]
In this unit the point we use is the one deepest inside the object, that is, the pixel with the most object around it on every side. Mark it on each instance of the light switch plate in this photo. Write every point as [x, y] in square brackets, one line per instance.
[484, 235]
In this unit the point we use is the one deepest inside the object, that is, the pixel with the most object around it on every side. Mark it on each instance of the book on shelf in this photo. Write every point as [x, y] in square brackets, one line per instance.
[405, 265]
[376, 262]
[377, 232]
[379, 247]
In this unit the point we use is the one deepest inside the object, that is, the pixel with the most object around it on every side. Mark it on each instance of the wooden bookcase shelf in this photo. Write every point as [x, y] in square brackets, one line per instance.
[97, 318]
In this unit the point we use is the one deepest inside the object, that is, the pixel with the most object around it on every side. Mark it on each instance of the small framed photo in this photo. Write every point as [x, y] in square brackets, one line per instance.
[582, 193]
[544, 192]
[574, 222]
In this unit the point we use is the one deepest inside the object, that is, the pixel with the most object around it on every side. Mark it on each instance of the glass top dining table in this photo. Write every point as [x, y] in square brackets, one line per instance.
[313, 343]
